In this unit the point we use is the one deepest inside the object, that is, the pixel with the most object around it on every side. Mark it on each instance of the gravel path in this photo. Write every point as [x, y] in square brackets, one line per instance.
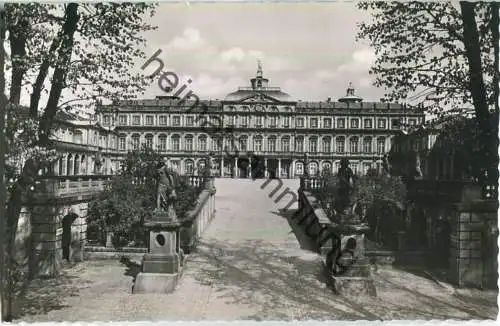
[248, 266]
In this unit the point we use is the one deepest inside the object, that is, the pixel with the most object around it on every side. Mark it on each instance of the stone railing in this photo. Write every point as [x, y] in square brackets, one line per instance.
[311, 183]
[314, 222]
[196, 181]
[198, 219]
[69, 186]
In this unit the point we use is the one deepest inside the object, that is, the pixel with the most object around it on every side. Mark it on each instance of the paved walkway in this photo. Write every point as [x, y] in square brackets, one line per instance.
[248, 266]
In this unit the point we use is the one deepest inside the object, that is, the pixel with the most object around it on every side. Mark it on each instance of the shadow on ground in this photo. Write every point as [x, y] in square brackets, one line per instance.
[304, 240]
[46, 294]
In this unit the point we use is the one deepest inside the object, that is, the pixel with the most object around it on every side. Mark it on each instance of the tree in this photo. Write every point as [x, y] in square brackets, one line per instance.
[82, 50]
[441, 55]
[130, 199]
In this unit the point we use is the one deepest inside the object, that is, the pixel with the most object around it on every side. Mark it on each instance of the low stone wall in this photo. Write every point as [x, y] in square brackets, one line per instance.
[103, 253]
[198, 220]
[314, 222]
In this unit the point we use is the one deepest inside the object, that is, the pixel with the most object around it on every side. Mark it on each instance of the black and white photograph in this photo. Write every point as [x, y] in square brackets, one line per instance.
[249, 161]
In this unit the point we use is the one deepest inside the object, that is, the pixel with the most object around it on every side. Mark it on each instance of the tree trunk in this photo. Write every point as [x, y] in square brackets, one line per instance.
[60, 72]
[477, 86]
[31, 167]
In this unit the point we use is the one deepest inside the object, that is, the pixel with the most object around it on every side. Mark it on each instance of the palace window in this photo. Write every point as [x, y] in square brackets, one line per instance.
[368, 123]
[243, 143]
[188, 143]
[135, 142]
[122, 120]
[272, 121]
[176, 121]
[314, 123]
[340, 145]
[381, 124]
[162, 143]
[258, 121]
[271, 144]
[286, 122]
[412, 122]
[313, 144]
[313, 168]
[326, 144]
[231, 120]
[285, 144]
[189, 121]
[106, 120]
[355, 167]
[244, 121]
[367, 145]
[202, 144]
[162, 120]
[366, 167]
[396, 123]
[327, 123]
[353, 142]
[122, 143]
[299, 144]
[189, 167]
[149, 120]
[341, 123]
[299, 168]
[217, 144]
[149, 141]
[257, 144]
[176, 143]
[354, 123]
[381, 145]
[136, 120]
[299, 123]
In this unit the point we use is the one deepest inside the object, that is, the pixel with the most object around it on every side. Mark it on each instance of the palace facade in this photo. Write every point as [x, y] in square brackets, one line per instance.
[265, 121]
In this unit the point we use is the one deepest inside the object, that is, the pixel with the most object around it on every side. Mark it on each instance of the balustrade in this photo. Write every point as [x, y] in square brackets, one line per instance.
[60, 186]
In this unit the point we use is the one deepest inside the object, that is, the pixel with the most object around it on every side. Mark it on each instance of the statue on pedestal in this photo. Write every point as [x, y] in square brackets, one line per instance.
[165, 195]
[345, 187]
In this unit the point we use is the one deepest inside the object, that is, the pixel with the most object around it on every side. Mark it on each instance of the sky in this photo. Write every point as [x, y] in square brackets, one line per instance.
[307, 49]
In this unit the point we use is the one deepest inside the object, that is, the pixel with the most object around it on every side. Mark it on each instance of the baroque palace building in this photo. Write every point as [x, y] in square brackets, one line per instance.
[264, 121]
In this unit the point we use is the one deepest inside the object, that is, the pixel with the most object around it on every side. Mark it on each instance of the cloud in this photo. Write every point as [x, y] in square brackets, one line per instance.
[360, 61]
[233, 54]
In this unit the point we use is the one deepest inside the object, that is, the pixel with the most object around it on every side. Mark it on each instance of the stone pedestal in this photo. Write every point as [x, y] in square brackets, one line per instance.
[162, 265]
[356, 279]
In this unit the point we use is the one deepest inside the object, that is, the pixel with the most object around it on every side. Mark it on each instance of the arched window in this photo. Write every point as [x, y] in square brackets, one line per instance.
[162, 143]
[285, 144]
[69, 165]
[326, 142]
[299, 144]
[271, 144]
[176, 143]
[189, 167]
[188, 143]
[257, 144]
[135, 142]
[243, 143]
[299, 168]
[327, 166]
[340, 144]
[381, 145]
[202, 143]
[149, 141]
[313, 168]
[313, 144]
[367, 145]
[353, 144]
